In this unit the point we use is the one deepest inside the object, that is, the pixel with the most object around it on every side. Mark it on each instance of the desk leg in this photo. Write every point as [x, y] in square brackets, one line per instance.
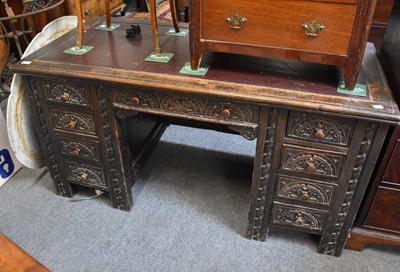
[118, 185]
[262, 171]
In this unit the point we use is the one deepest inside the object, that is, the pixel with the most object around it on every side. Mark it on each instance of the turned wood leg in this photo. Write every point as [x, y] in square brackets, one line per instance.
[153, 19]
[80, 24]
[350, 76]
[195, 60]
[108, 12]
[172, 7]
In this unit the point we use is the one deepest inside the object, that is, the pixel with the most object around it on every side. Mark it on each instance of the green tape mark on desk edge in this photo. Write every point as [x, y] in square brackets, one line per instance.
[83, 50]
[104, 27]
[200, 72]
[359, 89]
[164, 58]
[182, 32]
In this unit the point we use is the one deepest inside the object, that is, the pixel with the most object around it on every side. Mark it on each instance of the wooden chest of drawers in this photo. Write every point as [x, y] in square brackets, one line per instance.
[324, 31]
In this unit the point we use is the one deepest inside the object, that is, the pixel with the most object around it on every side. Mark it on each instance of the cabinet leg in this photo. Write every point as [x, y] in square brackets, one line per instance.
[195, 60]
[350, 78]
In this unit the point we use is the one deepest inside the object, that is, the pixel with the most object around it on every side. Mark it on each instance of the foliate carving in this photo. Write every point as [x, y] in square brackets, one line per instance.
[81, 149]
[249, 133]
[61, 91]
[255, 230]
[315, 128]
[73, 121]
[311, 162]
[302, 218]
[85, 175]
[193, 106]
[352, 187]
[62, 188]
[117, 187]
[181, 104]
[304, 191]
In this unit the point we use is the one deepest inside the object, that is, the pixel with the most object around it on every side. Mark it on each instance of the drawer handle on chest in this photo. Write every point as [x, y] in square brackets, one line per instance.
[299, 220]
[313, 28]
[82, 176]
[236, 21]
[311, 166]
[64, 97]
[76, 153]
[226, 113]
[135, 100]
[320, 135]
[72, 125]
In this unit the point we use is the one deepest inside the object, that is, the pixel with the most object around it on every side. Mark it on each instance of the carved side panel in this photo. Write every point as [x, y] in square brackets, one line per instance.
[76, 122]
[316, 128]
[362, 157]
[186, 105]
[62, 188]
[318, 163]
[66, 92]
[304, 190]
[117, 186]
[87, 175]
[309, 219]
[255, 230]
[81, 149]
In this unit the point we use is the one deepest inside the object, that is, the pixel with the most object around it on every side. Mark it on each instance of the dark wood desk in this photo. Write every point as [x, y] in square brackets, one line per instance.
[99, 116]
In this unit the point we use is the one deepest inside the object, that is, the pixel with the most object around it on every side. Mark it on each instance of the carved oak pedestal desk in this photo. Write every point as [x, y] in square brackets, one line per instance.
[99, 115]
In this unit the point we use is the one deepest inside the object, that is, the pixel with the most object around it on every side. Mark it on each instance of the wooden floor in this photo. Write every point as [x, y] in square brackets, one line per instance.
[14, 259]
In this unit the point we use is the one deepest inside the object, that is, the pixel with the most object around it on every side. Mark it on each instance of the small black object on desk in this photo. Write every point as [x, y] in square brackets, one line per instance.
[133, 31]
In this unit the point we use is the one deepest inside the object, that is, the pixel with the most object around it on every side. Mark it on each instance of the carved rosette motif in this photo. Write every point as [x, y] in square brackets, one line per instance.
[73, 121]
[62, 188]
[249, 133]
[88, 175]
[352, 186]
[188, 105]
[304, 126]
[67, 93]
[116, 186]
[298, 217]
[86, 150]
[305, 192]
[254, 230]
[310, 162]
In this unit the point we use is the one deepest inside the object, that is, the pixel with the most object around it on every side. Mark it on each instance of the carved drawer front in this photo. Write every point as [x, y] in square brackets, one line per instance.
[300, 217]
[190, 106]
[304, 190]
[319, 129]
[71, 121]
[280, 24]
[67, 92]
[80, 149]
[311, 161]
[85, 175]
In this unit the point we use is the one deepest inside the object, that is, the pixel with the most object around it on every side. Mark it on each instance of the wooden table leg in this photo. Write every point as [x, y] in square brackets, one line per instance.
[172, 7]
[80, 24]
[153, 19]
[108, 12]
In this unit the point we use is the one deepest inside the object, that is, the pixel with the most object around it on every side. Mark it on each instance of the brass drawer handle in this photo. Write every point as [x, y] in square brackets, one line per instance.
[299, 219]
[226, 113]
[72, 124]
[65, 97]
[87, 12]
[135, 100]
[236, 21]
[82, 176]
[320, 135]
[311, 168]
[76, 153]
[313, 28]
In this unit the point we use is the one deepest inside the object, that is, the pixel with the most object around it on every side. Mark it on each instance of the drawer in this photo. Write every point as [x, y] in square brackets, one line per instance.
[73, 122]
[277, 23]
[316, 128]
[311, 161]
[88, 150]
[304, 190]
[312, 220]
[183, 106]
[85, 175]
[67, 93]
